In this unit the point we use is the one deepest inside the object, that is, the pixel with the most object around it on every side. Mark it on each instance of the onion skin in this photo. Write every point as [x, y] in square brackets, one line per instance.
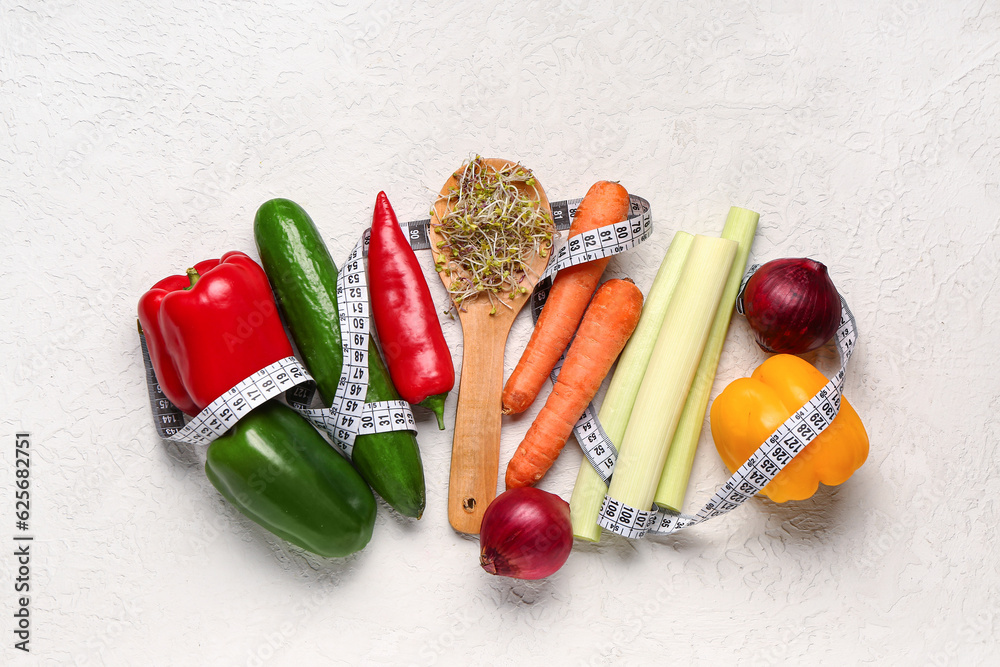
[526, 534]
[792, 305]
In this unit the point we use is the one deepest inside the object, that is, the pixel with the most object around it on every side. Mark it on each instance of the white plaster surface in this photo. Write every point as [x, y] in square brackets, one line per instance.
[139, 137]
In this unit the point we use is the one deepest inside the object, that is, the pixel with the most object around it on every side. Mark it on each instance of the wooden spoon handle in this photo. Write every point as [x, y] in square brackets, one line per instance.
[475, 450]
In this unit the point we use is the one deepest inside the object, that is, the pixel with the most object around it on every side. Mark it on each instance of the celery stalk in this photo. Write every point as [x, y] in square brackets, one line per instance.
[671, 369]
[588, 493]
[741, 225]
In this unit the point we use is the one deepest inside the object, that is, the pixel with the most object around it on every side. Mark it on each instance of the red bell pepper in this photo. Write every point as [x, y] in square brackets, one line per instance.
[210, 329]
[406, 321]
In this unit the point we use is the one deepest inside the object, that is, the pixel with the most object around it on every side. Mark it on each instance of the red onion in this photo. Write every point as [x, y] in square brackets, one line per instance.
[525, 534]
[791, 305]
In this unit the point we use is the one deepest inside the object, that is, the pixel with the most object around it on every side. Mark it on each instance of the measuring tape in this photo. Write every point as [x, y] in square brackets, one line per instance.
[350, 416]
[220, 415]
[594, 244]
[352, 304]
[590, 245]
[167, 417]
[787, 441]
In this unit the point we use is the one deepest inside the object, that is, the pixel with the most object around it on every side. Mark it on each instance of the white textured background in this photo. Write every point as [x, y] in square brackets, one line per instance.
[137, 139]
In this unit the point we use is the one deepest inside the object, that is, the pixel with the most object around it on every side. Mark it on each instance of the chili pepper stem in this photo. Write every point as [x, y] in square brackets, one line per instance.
[435, 404]
[193, 276]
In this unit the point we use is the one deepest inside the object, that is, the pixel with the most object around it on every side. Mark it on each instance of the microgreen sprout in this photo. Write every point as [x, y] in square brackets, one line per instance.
[491, 232]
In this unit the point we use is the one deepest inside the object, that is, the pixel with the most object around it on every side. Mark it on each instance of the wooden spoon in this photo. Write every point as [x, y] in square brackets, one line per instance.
[475, 451]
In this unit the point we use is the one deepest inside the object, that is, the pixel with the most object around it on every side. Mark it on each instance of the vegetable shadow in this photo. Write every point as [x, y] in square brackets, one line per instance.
[183, 455]
[625, 551]
[260, 543]
[408, 524]
[819, 518]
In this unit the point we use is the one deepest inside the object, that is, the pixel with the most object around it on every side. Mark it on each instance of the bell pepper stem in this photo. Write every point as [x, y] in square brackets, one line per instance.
[193, 276]
[435, 404]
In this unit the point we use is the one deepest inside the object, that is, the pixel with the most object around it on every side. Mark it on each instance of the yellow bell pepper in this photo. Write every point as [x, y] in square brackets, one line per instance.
[748, 411]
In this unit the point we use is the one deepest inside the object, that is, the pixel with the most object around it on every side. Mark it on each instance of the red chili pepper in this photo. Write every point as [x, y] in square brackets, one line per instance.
[210, 329]
[406, 321]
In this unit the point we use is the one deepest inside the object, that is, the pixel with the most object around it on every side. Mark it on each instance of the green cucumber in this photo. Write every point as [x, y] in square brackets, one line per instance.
[304, 278]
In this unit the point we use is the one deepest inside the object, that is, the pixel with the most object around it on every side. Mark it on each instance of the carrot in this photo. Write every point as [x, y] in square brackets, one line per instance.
[607, 324]
[605, 204]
